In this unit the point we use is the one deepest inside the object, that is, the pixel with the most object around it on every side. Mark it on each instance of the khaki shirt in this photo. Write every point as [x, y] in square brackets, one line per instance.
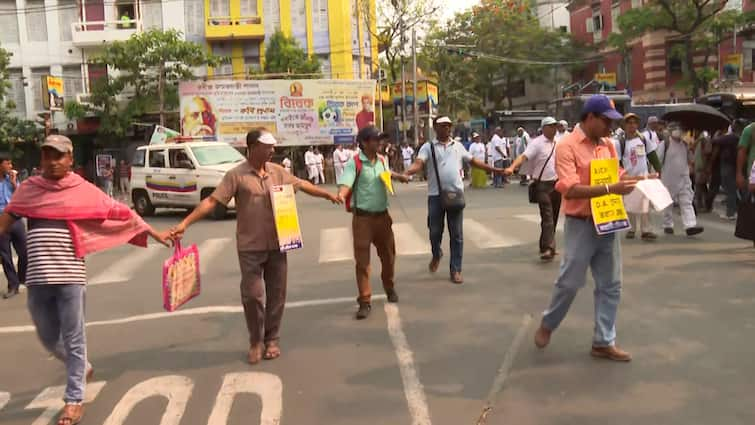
[255, 224]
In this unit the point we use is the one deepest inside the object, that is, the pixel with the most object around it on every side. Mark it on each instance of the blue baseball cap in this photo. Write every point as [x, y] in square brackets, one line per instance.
[600, 104]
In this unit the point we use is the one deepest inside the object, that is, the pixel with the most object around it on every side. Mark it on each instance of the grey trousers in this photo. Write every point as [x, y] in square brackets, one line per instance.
[263, 293]
[58, 314]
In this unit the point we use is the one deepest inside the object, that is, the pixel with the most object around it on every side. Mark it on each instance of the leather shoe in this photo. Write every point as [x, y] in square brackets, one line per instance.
[456, 278]
[542, 336]
[10, 294]
[611, 352]
[364, 311]
[692, 231]
[434, 263]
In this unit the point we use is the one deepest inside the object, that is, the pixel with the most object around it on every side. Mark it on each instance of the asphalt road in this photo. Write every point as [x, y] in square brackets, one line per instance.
[446, 354]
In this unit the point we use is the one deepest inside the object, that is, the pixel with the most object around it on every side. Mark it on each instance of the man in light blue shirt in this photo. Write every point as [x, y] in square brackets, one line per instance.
[15, 235]
[451, 157]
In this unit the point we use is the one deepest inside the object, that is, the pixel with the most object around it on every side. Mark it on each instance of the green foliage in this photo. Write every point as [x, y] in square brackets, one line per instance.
[13, 130]
[75, 110]
[149, 66]
[504, 39]
[283, 55]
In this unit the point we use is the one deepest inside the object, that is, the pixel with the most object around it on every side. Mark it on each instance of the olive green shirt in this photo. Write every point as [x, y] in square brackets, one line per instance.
[371, 194]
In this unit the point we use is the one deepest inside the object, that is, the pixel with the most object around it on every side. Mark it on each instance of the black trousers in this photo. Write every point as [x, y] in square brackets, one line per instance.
[549, 202]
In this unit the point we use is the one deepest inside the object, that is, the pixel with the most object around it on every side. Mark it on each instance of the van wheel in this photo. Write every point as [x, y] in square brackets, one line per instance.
[220, 211]
[142, 204]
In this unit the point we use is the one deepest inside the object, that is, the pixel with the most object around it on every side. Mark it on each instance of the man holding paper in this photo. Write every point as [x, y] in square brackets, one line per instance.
[576, 154]
[367, 178]
[263, 262]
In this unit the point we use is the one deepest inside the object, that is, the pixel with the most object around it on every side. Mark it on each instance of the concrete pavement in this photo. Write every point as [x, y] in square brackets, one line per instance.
[445, 354]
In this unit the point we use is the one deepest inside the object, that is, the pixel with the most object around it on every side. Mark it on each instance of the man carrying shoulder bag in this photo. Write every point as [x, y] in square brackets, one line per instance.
[445, 159]
[540, 159]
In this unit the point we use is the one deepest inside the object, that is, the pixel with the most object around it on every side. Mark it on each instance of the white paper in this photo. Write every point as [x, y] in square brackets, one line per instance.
[648, 192]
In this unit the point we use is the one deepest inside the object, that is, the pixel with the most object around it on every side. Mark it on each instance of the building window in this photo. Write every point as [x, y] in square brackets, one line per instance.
[224, 51]
[220, 8]
[675, 55]
[194, 16]
[72, 82]
[249, 8]
[152, 15]
[36, 87]
[126, 9]
[36, 23]
[8, 22]
[272, 15]
[17, 94]
[68, 13]
[589, 28]
[615, 12]
[251, 55]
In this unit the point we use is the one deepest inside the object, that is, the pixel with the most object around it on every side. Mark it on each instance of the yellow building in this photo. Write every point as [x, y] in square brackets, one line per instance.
[336, 31]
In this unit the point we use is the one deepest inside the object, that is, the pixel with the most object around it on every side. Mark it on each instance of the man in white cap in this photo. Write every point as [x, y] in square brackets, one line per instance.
[652, 135]
[407, 153]
[444, 159]
[263, 266]
[500, 153]
[562, 130]
[540, 161]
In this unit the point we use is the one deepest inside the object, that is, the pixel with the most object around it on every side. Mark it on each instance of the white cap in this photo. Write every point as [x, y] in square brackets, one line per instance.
[457, 138]
[564, 123]
[267, 139]
[475, 134]
[443, 120]
[548, 121]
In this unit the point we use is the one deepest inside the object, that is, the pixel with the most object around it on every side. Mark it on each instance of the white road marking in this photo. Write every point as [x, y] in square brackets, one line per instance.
[192, 312]
[408, 241]
[4, 399]
[413, 389]
[336, 244]
[268, 386]
[535, 218]
[503, 371]
[51, 399]
[125, 266]
[177, 389]
[484, 237]
[210, 249]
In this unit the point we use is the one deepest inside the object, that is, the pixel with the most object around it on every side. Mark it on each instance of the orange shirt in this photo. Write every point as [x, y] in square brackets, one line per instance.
[573, 155]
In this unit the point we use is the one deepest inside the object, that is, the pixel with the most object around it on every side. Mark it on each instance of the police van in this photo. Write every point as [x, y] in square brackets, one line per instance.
[180, 175]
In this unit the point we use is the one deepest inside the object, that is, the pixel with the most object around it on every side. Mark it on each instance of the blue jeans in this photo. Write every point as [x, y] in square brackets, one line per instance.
[58, 314]
[455, 219]
[585, 248]
[498, 179]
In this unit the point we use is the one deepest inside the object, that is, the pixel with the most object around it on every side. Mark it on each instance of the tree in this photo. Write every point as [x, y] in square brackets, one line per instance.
[689, 20]
[284, 56]
[393, 21]
[149, 65]
[13, 129]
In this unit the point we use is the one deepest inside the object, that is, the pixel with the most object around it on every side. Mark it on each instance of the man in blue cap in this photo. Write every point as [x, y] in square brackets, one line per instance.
[584, 247]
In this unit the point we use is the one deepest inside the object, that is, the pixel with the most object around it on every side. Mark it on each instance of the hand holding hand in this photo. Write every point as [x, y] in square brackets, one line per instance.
[336, 199]
[401, 177]
[177, 231]
[508, 171]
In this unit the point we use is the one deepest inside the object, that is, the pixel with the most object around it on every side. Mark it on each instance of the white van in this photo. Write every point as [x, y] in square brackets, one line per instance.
[180, 175]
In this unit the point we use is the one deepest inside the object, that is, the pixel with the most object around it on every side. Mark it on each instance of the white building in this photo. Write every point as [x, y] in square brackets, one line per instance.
[56, 37]
[553, 14]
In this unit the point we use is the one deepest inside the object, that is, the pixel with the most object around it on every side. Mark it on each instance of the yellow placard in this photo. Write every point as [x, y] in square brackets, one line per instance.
[608, 211]
[286, 217]
[385, 176]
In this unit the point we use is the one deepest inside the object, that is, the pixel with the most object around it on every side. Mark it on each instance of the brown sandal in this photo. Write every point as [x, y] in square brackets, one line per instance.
[71, 414]
[272, 351]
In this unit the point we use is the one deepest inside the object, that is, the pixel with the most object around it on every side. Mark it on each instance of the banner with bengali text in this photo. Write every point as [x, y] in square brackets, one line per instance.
[297, 112]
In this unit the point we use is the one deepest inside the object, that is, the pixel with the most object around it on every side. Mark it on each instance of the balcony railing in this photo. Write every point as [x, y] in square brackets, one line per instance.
[227, 20]
[222, 27]
[95, 33]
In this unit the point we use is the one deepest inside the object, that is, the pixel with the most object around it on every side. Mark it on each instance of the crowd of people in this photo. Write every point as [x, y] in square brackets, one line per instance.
[69, 218]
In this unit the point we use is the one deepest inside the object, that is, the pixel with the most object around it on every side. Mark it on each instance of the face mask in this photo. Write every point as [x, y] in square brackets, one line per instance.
[676, 134]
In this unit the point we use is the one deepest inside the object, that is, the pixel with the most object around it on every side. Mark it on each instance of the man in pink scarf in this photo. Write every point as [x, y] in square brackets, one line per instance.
[68, 218]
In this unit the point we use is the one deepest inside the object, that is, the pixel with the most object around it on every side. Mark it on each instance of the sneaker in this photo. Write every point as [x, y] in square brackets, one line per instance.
[611, 353]
[392, 295]
[364, 311]
[694, 230]
[668, 230]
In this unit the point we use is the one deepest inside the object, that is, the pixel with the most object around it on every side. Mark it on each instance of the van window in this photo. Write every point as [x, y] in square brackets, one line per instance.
[138, 160]
[178, 158]
[157, 159]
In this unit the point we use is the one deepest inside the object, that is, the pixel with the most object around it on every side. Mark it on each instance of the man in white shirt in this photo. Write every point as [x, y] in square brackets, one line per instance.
[340, 157]
[407, 153]
[477, 149]
[286, 163]
[652, 133]
[310, 161]
[540, 160]
[500, 153]
[636, 151]
[675, 176]
[562, 130]
[521, 141]
[320, 165]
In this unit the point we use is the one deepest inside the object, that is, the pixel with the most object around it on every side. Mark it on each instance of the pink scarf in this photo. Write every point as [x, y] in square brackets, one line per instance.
[96, 221]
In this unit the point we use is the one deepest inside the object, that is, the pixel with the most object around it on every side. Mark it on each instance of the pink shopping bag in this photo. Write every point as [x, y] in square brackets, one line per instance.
[180, 276]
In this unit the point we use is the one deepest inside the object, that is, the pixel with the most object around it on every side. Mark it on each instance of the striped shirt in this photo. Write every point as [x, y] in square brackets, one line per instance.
[52, 260]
